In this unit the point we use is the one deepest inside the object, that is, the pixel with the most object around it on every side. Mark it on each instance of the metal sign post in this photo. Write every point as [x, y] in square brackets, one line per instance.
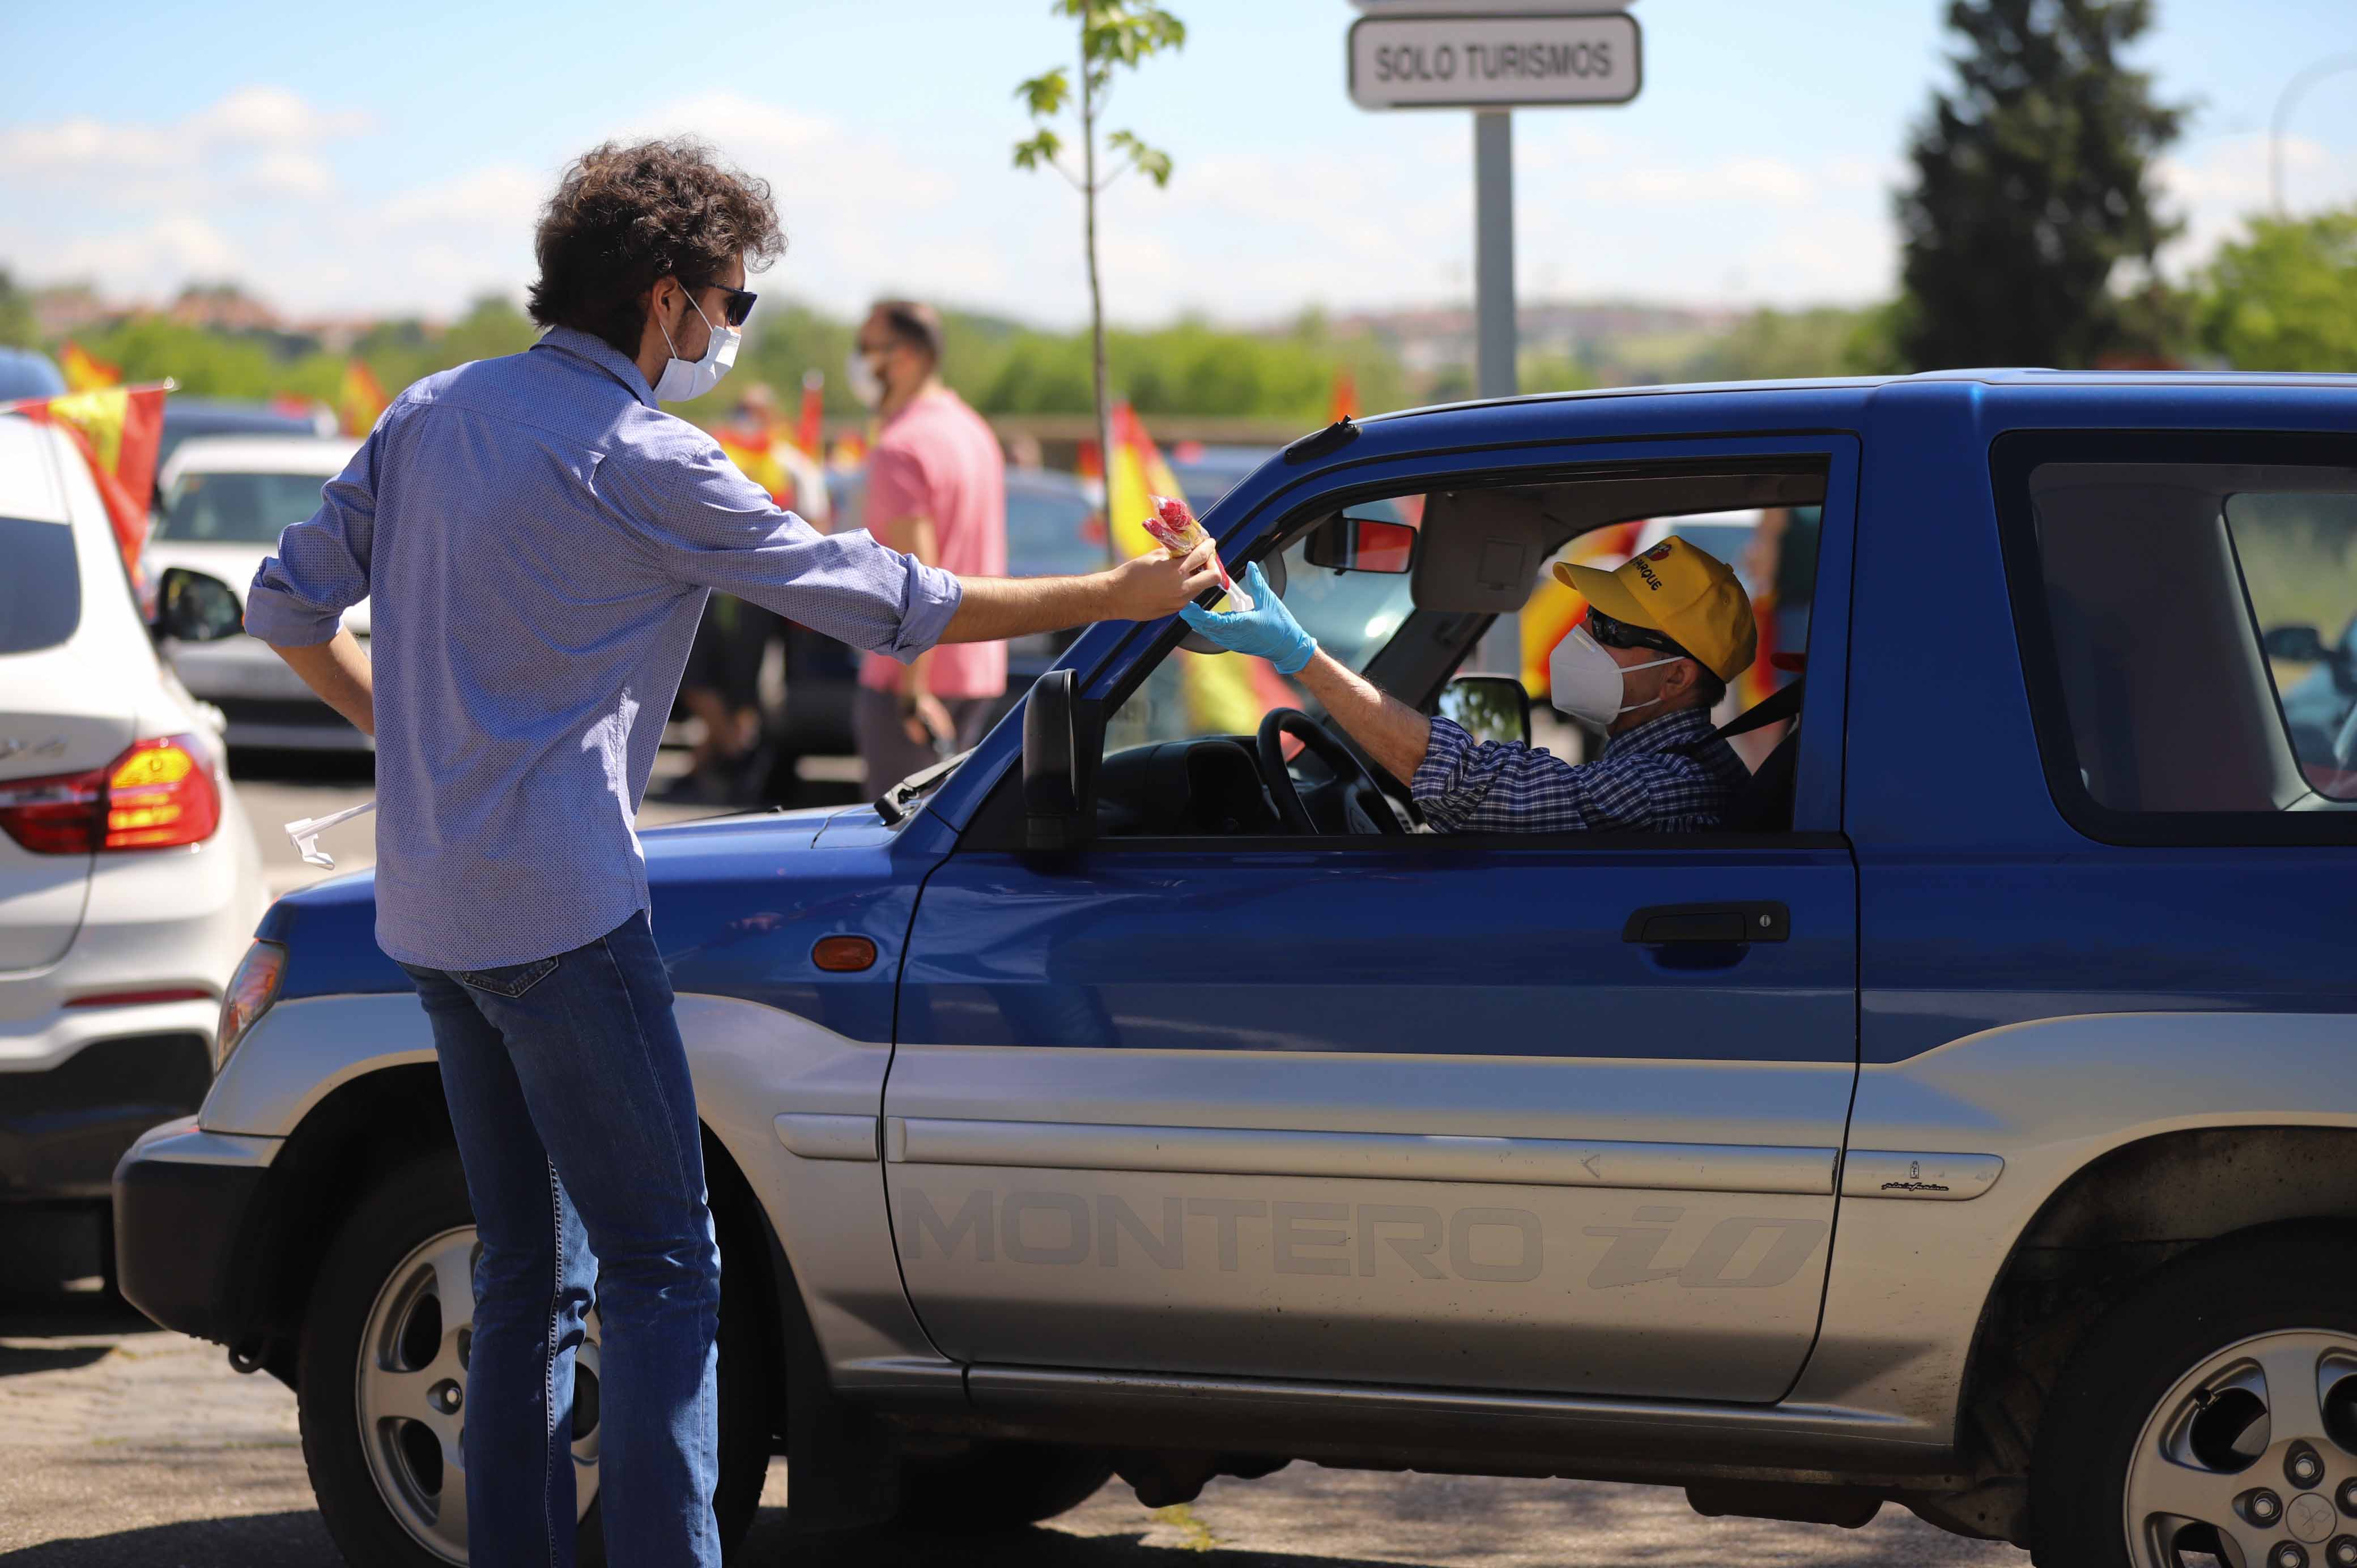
[1492, 55]
[1495, 341]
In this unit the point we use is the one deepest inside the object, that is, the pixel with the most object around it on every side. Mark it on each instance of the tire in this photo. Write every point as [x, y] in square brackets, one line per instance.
[2186, 1399]
[382, 1502]
[997, 1486]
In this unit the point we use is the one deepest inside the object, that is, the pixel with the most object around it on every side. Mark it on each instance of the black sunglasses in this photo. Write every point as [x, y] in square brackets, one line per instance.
[1621, 634]
[737, 303]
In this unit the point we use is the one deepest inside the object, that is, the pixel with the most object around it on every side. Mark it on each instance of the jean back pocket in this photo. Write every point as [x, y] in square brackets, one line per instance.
[510, 980]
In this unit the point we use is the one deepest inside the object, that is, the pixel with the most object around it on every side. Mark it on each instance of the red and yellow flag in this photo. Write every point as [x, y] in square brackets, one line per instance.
[84, 370]
[810, 429]
[1225, 696]
[1346, 396]
[360, 401]
[118, 430]
[849, 452]
[755, 452]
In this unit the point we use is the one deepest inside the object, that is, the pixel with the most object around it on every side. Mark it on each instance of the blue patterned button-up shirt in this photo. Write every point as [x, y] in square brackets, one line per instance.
[1492, 787]
[537, 539]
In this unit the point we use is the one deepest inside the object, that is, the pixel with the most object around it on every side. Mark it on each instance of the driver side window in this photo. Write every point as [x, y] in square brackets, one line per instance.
[1478, 596]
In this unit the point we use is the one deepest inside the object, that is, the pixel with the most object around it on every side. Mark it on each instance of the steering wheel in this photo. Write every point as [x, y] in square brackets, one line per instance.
[1360, 806]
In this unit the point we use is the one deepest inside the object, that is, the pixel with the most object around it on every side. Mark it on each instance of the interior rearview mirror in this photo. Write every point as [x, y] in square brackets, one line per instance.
[1362, 544]
[2296, 645]
[1488, 708]
[1061, 740]
[194, 607]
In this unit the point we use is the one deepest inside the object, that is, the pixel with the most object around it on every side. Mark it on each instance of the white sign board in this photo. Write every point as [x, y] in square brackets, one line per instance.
[1493, 62]
[1478, 7]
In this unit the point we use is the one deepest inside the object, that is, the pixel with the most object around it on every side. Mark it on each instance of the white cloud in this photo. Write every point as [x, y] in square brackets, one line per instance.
[151, 259]
[2217, 185]
[269, 116]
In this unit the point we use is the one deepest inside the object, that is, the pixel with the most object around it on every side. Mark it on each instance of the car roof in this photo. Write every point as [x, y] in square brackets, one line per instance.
[322, 454]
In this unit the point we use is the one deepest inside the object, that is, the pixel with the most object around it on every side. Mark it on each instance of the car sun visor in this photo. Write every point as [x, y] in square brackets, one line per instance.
[1481, 551]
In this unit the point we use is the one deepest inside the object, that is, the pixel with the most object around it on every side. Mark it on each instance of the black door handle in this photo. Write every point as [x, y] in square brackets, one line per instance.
[1722, 923]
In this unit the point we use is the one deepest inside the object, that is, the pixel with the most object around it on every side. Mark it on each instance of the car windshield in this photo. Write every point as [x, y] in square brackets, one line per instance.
[237, 509]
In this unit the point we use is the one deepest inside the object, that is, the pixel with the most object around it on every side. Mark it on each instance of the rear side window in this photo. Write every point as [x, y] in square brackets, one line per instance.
[40, 589]
[2191, 630]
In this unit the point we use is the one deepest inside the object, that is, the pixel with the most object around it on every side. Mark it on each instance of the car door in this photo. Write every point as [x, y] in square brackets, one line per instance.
[1417, 1111]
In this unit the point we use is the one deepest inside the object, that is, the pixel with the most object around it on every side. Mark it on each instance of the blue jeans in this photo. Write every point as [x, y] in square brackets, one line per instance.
[568, 1088]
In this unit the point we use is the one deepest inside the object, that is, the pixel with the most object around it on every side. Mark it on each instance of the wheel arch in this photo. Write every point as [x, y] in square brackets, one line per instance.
[2111, 1226]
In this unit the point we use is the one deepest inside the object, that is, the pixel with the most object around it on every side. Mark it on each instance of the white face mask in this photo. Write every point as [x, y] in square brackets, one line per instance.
[1583, 681]
[861, 378]
[685, 378]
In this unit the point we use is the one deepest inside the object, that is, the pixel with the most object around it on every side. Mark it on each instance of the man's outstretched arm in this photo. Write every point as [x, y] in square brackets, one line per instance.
[1393, 733]
[993, 608]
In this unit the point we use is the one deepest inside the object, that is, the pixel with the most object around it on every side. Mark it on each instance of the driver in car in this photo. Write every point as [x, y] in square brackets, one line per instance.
[1666, 632]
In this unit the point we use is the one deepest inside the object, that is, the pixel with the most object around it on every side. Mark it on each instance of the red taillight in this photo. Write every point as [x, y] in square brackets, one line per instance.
[251, 992]
[155, 795]
[57, 815]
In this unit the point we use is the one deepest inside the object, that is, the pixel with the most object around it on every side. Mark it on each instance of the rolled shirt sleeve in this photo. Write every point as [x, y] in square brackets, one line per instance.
[299, 596]
[710, 526]
[1469, 786]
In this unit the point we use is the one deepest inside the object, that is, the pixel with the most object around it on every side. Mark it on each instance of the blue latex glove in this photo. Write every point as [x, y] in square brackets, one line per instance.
[1268, 630]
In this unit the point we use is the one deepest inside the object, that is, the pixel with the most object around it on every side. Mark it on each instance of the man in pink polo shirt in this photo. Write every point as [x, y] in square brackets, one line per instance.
[936, 488]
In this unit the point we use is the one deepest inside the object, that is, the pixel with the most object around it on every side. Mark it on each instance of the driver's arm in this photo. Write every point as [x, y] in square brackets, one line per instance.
[1393, 734]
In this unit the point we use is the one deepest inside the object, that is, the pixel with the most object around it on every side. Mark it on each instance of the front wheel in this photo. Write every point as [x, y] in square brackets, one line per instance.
[2212, 1417]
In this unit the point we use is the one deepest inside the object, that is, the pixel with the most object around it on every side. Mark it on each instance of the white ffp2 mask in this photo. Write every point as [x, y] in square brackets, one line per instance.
[685, 378]
[1583, 681]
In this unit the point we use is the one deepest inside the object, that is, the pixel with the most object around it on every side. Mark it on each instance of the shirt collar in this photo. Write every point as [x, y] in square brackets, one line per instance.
[1662, 733]
[603, 355]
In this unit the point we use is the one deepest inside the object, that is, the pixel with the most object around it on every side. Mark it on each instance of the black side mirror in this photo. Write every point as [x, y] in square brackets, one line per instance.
[2296, 645]
[1362, 544]
[1063, 736]
[194, 607]
[1489, 707]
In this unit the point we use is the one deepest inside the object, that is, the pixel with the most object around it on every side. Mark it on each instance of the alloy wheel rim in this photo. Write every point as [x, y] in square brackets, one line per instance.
[2250, 1459]
[410, 1394]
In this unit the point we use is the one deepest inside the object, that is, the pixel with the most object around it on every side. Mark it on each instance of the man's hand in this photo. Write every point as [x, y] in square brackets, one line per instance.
[1268, 630]
[1152, 586]
[1147, 588]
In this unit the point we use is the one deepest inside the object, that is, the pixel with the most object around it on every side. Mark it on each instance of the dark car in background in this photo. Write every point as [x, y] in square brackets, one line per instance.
[187, 416]
[1054, 527]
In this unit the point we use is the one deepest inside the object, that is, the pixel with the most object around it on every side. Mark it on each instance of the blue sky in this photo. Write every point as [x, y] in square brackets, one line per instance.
[394, 163]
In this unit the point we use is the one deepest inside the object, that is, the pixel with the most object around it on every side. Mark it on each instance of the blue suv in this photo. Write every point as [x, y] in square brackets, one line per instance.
[1969, 1128]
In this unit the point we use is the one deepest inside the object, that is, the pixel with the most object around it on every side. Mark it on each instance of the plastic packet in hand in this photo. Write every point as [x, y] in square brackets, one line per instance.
[1176, 529]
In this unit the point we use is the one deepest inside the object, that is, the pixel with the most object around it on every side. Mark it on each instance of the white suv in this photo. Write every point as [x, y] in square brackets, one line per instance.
[129, 880]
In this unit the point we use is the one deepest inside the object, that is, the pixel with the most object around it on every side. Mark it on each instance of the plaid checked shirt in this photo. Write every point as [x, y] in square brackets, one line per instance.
[1489, 787]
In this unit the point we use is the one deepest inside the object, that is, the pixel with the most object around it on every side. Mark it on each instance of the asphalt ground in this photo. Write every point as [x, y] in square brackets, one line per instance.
[123, 1445]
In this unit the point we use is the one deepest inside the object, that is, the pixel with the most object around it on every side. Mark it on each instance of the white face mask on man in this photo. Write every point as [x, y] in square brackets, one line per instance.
[1583, 681]
[861, 376]
[685, 378]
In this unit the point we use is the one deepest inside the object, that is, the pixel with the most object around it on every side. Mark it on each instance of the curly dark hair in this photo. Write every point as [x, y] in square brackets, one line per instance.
[624, 217]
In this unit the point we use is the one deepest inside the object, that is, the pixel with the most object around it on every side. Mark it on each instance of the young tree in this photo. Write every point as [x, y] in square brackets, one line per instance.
[1114, 35]
[2285, 298]
[2032, 186]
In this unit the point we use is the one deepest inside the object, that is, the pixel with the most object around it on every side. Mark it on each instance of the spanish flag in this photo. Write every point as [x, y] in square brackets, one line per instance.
[1225, 696]
[118, 430]
[810, 428]
[84, 370]
[359, 402]
[1555, 607]
[1345, 404]
[754, 453]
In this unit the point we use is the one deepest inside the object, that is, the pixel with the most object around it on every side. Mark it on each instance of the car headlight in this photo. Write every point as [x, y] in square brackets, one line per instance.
[251, 992]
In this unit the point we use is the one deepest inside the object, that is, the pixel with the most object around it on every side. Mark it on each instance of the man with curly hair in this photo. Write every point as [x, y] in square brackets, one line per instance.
[538, 538]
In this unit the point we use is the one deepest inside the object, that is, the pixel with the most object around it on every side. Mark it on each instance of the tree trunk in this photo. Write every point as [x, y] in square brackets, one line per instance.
[1097, 295]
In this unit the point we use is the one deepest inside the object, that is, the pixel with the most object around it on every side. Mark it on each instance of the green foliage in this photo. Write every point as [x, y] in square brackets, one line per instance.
[2032, 187]
[16, 328]
[1785, 345]
[2284, 297]
[250, 367]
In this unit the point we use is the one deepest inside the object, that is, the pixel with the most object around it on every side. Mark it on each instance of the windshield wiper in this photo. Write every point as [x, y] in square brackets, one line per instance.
[894, 803]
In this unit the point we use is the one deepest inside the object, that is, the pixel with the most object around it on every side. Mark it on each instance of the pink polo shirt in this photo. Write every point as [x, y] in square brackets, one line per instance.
[937, 458]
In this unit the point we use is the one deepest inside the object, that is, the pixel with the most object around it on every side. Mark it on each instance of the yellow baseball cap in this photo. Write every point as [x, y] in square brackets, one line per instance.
[1687, 595]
